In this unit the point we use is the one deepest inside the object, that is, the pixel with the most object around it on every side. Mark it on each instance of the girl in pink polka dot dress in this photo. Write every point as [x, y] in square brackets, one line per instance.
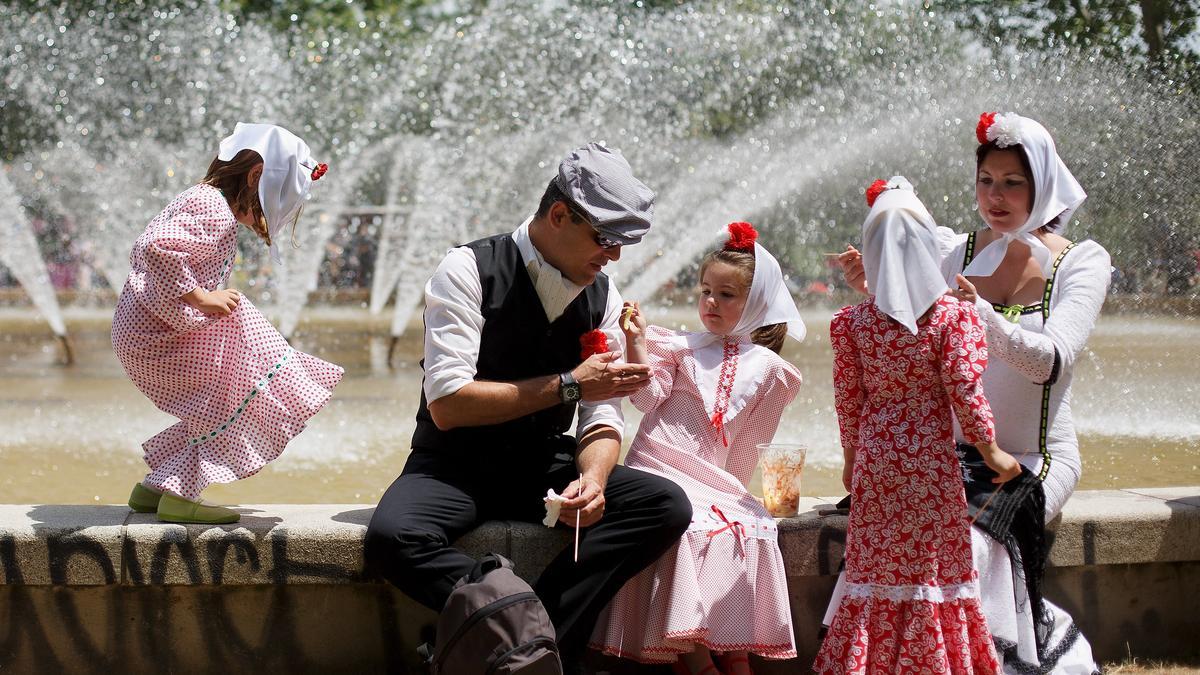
[204, 353]
[712, 398]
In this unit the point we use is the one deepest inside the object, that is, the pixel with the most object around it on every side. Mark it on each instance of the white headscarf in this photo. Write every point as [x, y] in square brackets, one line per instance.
[901, 254]
[1056, 192]
[768, 302]
[287, 171]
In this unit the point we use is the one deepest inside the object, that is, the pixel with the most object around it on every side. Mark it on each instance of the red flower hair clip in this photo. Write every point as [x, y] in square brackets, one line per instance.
[741, 237]
[981, 129]
[317, 171]
[875, 190]
[592, 342]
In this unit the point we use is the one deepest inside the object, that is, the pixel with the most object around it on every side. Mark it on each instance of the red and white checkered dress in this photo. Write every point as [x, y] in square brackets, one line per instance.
[239, 389]
[724, 584]
[911, 601]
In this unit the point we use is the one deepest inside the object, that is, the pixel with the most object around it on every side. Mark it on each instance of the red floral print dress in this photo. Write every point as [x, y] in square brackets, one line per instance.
[912, 598]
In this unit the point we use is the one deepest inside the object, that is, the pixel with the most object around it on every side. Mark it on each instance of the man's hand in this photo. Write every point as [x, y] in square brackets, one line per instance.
[602, 379]
[223, 301]
[852, 269]
[587, 499]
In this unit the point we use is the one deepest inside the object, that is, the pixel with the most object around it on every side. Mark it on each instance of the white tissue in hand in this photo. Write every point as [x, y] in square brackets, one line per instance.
[554, 502]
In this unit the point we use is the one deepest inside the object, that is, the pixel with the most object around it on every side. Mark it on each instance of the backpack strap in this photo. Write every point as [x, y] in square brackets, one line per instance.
[488, 563]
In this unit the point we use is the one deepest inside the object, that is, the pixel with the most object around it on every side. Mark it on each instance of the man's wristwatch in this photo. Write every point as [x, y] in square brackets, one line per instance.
[569, 391]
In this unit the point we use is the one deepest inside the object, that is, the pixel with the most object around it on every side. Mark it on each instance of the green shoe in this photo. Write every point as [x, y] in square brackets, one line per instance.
[173, 509]
[144, 499]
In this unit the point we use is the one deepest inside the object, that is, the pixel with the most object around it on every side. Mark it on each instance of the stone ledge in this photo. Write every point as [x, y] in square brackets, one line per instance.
[322, 543]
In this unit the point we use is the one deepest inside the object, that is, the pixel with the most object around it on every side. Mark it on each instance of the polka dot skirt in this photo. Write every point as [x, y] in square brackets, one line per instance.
[239, 389]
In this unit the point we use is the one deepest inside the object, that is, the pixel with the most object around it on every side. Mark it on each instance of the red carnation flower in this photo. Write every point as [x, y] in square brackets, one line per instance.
[593, 342]
[741, 237]
[319, 171]
[985, 121]
[875, 190]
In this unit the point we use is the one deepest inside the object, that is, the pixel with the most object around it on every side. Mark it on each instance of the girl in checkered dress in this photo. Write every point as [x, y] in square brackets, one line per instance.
[712, 398]
[202, 352]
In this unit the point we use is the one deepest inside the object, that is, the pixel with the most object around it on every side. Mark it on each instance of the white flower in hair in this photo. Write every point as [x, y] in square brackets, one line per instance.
[894, 183]
[1005, 130]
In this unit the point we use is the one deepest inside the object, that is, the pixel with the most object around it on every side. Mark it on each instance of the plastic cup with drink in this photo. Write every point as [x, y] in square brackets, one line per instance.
[782, 464]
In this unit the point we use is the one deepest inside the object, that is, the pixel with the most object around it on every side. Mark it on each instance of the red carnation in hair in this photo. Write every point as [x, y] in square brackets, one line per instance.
[593, 342]
[319, 171]
[875, 190]
[985, 121]
[741, 237]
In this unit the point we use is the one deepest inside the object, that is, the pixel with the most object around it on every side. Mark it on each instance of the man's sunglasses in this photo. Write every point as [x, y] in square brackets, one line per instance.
[601, 240]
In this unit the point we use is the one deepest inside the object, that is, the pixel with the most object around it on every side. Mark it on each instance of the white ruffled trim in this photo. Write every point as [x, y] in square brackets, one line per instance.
[756, 528]
[911, 593]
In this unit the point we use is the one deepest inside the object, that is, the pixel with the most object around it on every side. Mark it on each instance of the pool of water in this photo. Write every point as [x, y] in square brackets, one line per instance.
[72, 434]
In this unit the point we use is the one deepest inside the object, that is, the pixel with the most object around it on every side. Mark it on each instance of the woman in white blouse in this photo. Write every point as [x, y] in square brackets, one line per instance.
[1039, 295]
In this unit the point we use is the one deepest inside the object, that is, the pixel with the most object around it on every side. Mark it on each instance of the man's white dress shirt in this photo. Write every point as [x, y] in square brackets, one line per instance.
[454, 323]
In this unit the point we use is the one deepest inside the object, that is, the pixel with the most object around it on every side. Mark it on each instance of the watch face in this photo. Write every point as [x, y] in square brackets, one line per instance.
[571, 393]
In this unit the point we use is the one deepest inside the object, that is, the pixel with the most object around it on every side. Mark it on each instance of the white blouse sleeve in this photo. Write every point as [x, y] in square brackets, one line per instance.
[948, 240]
[1080, 291]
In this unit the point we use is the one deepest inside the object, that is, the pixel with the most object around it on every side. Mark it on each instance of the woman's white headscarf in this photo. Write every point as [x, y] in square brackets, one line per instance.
[1056, 192]
[287, 171]
[901, 254]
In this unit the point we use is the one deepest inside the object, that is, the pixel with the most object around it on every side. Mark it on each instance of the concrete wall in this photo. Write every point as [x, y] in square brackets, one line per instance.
[97, 588]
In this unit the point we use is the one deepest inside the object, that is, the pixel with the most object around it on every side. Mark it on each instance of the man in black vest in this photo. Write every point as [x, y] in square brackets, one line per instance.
[503, 374]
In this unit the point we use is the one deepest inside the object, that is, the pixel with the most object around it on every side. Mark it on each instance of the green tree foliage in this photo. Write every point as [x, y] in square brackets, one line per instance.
[391, 17]
[1155, 31]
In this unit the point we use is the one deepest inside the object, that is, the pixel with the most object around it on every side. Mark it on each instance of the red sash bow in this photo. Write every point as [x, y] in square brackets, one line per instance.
[735, 527]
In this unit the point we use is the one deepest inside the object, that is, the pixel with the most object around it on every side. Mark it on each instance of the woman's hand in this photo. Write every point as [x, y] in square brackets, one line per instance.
[223, 301]
[851, 263]
[965, 291]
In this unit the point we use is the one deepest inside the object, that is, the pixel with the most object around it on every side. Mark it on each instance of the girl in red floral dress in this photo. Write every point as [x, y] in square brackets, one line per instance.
[903, 360]
[713, 396]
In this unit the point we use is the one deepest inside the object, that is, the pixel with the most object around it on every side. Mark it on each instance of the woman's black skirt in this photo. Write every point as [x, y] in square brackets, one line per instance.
[1014, 514]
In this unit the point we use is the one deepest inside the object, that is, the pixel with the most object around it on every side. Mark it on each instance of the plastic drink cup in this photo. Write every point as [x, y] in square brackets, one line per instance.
[782, 464]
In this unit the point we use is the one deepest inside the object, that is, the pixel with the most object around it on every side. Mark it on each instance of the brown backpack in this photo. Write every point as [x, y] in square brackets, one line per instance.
[493, 623]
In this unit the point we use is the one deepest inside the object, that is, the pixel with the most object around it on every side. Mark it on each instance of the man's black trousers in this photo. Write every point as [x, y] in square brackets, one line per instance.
[441, 496]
